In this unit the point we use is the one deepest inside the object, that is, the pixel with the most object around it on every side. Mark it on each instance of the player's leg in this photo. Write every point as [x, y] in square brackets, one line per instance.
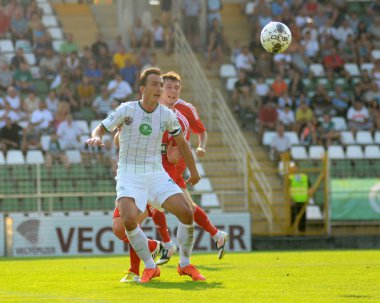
[155, 247]
[200, 217]
[129, 213]
[168, 195]
[170, 248]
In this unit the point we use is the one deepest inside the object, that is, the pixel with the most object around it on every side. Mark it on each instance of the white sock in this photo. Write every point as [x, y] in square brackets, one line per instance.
[168, 245]
[185, 239]
[216, 236]
[139, 242]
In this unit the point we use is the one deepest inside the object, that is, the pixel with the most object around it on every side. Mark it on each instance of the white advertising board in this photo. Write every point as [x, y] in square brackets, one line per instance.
[2, 236]
[87, 235]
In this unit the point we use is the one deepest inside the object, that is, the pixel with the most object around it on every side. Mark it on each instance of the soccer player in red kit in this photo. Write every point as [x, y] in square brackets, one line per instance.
[189, 121]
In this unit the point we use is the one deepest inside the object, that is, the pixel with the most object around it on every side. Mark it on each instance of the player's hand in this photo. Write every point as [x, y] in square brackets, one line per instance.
[201, 152]
[193, 179]
[173, 153]
[96, 141]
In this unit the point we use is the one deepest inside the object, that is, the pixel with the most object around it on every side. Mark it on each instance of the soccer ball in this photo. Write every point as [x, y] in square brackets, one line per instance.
[275, 37]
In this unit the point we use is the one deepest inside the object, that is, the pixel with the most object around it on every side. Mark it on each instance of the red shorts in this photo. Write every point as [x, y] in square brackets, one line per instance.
[149, 208]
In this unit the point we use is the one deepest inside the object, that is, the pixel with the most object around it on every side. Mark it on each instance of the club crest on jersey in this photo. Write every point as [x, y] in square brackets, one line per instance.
[128, 120]
[145, 129]
[147, 118]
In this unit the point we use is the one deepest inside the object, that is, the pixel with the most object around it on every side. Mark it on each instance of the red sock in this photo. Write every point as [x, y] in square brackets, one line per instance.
[135, 261]
[152, 245]
[160, 220]
[201, 218]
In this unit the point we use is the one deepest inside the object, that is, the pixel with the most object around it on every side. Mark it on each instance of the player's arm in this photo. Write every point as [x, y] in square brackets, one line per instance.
[96, 136]
[172, 152]
[202, 142]
[188, 157]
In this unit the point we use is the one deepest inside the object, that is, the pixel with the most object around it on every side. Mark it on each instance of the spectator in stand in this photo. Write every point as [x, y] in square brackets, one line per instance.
[285, 100]
[376, 72]
[120, 56]
[30, 104]
[321, 102]
[7, 111]
[97, 45]
[139, 35]
[86, 57]
[373, 94]
[72, 62]
[169, 39]
[311, 47]
[286, 117]
[245, 61]
[282, 63]
[41, 46]
[49, 65]
[55, 154]
[261, 88]
[299, 60]
[105, 63]
[340, 100]
[326, 133]
[358, 117]
[374, 114]
[33, 9]
[130, 73]
[242, 89]
[304, 114]
[115, 46]
[6, 76]
[39, 31]
[31, 138]
[268, 117]
[191, 11]
[63, 110]
[69, 134]
[119, 89]
[327, 31]
[42, 119]
[214, 9]
[13, 98]
[280, 144]
[278, 7]
[4, 24]
[94, 73]
[308, 134]
[23, 78]
[9, 135]
[363, 48]
[216, 42]
[85, 92]
[166, 9]
[19, 27]
[334, 63]
[143, 58]
[279, 86]
[347, 50]
[374, 31]
[365, 80]
[102, 104]
[18, 58]
[52, 102]
[12, 7]
[68, 46]
[296, 86]
[157, 34]
[263, 66]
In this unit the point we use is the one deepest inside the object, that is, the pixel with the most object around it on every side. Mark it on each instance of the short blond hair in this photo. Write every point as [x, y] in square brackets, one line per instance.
[171, 76]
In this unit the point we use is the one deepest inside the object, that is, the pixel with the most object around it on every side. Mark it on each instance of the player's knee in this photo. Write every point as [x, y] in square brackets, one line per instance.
[187, 215]
[118, 228]
[129, 222]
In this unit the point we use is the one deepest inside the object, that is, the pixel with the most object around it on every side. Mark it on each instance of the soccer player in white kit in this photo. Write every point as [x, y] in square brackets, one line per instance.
[140, 174]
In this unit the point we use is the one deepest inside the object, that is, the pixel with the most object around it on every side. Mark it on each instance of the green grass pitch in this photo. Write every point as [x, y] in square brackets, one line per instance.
[302, 276]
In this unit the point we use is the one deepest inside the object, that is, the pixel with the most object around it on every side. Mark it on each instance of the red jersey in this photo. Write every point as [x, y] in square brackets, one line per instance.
[190, 122]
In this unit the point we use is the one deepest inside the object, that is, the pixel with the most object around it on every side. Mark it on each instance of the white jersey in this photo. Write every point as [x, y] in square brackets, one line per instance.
[140, 138]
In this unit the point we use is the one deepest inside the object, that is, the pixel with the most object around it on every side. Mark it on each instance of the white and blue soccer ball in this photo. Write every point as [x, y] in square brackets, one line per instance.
[275, 37]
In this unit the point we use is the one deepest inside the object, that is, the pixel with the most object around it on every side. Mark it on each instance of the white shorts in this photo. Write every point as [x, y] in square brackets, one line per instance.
[156, 187]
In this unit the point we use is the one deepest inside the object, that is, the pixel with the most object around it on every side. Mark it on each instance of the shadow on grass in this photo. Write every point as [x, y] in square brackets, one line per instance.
[209, 267]
[184, 285]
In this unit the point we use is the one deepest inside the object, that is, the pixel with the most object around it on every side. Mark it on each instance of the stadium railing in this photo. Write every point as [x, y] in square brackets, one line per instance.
[214, 105]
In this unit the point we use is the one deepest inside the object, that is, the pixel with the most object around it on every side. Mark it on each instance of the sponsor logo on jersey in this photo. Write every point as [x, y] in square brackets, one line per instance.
[128, 120]
[145, 129]
[147, 118]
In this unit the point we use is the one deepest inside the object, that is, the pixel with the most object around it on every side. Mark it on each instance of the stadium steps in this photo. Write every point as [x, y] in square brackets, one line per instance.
[106, 20]
[236, 26]
[77, 19]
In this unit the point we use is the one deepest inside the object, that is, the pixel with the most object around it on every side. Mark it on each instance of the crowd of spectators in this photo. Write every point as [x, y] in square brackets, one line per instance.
[285, 89]
[80, 83]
